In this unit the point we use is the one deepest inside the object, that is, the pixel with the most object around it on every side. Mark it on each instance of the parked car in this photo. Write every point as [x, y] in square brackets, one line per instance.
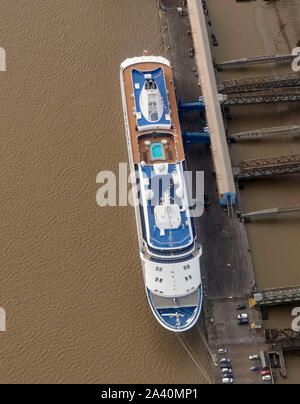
[226, 366]
[242, 316]
[243, 321]
[266, 378]
[222, 351]
[225, 360]
[241, 307]
[255, 368]
[253, 357]
[227, 375]
[265, 373]
[226, 371]
[227, 380]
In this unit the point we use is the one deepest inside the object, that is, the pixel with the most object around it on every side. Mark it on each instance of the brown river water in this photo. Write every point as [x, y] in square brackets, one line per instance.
[71, 279]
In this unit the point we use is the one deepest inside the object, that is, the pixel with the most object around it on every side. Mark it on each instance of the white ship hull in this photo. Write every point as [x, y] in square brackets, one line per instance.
[177, 302]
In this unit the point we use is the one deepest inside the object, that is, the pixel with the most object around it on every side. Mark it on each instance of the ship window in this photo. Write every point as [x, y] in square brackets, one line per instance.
[156, 279]
[186, 278]
[190, 276]
[160, 281]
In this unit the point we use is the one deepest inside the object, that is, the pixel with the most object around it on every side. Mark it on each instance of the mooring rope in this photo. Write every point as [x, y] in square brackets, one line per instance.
[192, 355]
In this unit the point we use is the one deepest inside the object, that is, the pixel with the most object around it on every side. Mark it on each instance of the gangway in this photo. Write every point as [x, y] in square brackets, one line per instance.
[193, 138]
[258, 83]
[254, 60]
[276, 354]
[263, 97]
[247, 217]
[266, 133]
[277, 296]
[283, 340]
[186, 107]
[272, 166]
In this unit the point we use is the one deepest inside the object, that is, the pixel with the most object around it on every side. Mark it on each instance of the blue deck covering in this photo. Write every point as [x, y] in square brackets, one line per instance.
[168, 316]
[173, 238]
[138, 77]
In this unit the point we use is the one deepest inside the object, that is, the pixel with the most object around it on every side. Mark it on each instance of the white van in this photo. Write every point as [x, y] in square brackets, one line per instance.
[242, 316]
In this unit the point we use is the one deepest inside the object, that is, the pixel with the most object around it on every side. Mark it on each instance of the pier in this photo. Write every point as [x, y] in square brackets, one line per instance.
[258, 83]
[203, 57]
[277, 95]
[279, 342]
[255, 60]
[247, 217]
[266, 167]
[223, 237]
[276, 359]
[286, 340]
[277, 296]
[266, 133]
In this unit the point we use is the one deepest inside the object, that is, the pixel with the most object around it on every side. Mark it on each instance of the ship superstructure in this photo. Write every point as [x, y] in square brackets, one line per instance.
[169, 250]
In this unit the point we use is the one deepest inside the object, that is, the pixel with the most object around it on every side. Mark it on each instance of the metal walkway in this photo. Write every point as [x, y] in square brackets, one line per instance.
[258, 83]
[263, 97]
[187, 107]
[193, 138]
[258, 168]
[255, 60]
[277, 297]
[246, 217]
[283, 340]
[266, 133]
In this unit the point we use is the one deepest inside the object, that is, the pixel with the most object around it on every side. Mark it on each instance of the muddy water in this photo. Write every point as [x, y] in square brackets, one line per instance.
[71, 280]
[259, 29]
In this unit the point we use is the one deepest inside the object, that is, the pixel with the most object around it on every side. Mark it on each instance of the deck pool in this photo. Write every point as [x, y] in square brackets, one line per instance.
[157, 151]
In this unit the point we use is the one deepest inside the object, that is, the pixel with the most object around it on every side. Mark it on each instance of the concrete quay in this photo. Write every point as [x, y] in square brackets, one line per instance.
[226, 265]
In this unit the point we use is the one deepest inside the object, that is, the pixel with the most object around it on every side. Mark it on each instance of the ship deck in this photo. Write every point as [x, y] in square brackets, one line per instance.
[167, 142]
[181, 235]
[140, 151]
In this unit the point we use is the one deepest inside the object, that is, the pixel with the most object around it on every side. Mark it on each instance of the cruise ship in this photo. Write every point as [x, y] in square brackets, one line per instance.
[169, 251]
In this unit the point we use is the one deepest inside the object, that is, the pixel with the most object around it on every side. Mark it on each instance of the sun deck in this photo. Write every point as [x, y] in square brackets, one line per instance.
[151, 99]
[165, 207]
[157, 147]
[159, 122]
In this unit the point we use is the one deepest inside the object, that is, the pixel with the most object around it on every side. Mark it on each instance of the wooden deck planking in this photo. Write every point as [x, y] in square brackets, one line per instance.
[138, 155]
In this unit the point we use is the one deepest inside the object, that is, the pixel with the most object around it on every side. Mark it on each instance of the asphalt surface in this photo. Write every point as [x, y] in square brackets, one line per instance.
[226, 264]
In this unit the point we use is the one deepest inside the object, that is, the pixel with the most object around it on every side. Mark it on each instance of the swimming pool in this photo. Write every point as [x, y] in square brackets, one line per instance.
[157, 152]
